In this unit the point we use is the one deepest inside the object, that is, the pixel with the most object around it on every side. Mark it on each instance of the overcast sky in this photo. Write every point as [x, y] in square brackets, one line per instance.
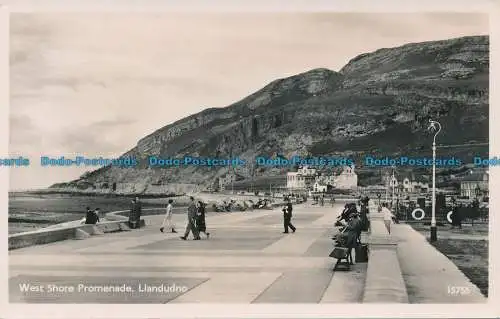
[94, 84]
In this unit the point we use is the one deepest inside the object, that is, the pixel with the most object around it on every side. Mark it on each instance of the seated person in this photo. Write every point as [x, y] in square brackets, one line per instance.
[92, 218]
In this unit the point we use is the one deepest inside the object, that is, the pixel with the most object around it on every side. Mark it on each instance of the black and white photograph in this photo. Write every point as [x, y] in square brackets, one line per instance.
[249, 158]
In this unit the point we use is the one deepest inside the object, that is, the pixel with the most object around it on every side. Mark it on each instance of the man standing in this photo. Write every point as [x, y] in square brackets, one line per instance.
[287, 216]
[365, 222]
[139, 211]
[387, 217]
[135, 213]
[168, 218]
[191, 225]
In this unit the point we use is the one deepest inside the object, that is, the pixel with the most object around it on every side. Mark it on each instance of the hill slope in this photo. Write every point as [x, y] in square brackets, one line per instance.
[379, 102]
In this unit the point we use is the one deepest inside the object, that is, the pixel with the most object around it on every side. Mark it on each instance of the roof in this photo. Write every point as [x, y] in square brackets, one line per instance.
[412, 177]
[474, 177]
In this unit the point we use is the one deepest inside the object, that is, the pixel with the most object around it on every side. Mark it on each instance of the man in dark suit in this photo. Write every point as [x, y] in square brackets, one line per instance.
[191, 225]
[287, 216]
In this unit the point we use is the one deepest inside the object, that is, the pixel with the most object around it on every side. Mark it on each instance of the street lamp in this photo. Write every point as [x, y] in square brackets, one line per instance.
[433, 125]
[393, 183]
[388, 184]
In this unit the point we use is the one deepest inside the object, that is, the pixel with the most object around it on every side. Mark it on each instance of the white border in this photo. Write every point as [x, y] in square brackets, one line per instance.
[254, 311]
[4, 150]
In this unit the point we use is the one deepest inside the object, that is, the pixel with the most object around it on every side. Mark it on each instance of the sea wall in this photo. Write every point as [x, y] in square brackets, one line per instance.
[46, 236]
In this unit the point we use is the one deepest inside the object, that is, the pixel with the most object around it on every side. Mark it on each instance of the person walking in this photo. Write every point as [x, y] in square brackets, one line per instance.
[200, 220]
[168, 218]
[387, 217]
[287, 216]
[191, 225]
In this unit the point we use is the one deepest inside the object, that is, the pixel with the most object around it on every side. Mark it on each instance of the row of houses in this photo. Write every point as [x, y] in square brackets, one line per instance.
[406, 183]
[304, 179]
[473, 183]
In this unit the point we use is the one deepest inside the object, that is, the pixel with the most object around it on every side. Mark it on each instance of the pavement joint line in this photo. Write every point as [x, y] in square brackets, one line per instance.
[189, 289]
[268, 287]
[218, 290]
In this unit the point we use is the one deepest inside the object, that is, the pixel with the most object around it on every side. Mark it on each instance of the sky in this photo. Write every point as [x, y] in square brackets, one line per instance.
[93, 84]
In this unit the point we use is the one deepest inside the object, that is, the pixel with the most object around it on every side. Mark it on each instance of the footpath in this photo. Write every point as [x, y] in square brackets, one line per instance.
[247, 259]
[429, 276]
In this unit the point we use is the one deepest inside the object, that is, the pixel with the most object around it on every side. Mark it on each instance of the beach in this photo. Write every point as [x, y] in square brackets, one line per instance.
[32, 211]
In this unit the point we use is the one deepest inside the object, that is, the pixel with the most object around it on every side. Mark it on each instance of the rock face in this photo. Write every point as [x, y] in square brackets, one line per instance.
[379, 102]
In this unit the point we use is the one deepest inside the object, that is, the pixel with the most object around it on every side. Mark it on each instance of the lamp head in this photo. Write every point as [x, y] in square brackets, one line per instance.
[432, 125]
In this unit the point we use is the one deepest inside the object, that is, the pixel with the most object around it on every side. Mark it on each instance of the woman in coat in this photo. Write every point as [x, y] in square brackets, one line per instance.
[352, 231]
[200, 220]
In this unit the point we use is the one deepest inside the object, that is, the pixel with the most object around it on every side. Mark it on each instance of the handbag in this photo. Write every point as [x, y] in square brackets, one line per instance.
[340, 252]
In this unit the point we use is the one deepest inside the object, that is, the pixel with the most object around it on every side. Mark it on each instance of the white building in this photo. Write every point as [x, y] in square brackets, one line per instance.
[307, 178]
[411, 184]
[475, 185]
[406, 184]
[348, 179]
[302, 179]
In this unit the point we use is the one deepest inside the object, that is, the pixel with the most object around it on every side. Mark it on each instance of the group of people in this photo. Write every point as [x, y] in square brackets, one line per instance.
[92, 216]
[349, 235]
[196, 222]
[319, 199]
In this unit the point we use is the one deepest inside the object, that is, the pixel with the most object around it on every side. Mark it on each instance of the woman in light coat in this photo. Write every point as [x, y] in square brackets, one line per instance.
[168, 218]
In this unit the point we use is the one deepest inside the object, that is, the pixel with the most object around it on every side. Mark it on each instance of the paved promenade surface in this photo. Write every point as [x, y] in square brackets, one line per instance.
[246, 260]
[430, 277]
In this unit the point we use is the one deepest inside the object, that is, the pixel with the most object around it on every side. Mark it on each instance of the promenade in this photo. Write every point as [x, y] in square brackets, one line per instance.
[246, 260]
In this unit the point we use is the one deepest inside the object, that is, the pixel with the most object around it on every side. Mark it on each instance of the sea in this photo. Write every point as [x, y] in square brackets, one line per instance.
[29, 211]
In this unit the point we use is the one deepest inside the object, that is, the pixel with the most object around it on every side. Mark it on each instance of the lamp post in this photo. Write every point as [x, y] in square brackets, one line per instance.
[387, 189]
[393, 182]
[433, 125]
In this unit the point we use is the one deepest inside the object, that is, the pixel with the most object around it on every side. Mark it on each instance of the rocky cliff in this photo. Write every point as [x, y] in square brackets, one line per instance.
[379, 102]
